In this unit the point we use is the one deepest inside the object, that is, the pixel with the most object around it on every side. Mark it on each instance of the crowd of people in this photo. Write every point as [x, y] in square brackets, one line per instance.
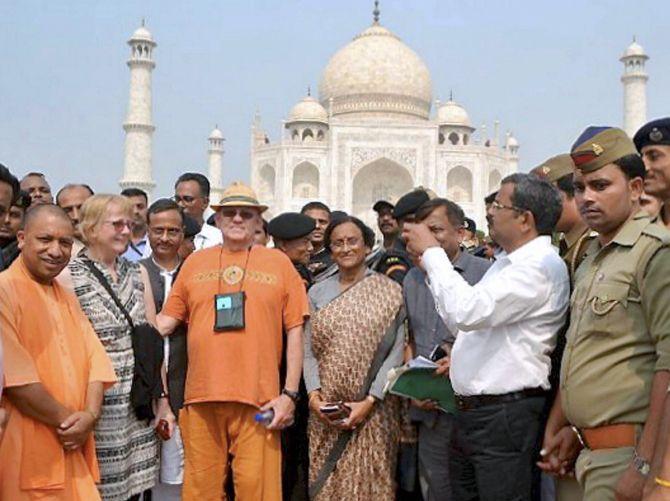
[167, 350]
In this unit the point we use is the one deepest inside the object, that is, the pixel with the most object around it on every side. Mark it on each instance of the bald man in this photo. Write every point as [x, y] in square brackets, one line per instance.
[55, 370]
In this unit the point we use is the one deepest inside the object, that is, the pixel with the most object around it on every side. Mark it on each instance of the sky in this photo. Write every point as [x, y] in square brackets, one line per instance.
[545, 69]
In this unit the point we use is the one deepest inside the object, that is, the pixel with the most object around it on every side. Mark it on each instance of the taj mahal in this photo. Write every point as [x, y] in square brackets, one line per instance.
[373, 132]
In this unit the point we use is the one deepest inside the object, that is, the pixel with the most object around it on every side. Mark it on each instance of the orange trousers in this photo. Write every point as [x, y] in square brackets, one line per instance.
[211, 431]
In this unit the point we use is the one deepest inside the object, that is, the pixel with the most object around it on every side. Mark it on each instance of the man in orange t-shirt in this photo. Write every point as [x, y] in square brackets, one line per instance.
[237, 298]
[55, 371]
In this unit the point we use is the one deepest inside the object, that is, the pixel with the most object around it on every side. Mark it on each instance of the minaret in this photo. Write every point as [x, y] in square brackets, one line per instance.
[138, 126]
[634, 81]
[215, 154]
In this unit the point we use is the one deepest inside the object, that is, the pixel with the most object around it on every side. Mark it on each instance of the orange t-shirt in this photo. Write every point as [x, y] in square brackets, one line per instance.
[242, 365]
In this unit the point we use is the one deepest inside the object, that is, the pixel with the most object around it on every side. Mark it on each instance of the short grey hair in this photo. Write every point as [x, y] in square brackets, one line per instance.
[538, 196]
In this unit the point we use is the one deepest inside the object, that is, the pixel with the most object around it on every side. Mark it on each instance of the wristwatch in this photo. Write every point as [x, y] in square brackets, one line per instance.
[293, 395]
[641, 465]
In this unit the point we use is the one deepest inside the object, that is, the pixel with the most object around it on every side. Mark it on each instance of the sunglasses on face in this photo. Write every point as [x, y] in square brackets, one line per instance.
[245, 214]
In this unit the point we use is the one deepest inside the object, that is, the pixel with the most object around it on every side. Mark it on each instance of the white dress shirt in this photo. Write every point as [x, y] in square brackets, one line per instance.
[507, 323]
[209, 236]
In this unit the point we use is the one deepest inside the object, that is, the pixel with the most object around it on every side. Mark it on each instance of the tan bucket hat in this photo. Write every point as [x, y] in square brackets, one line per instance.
[239, 194]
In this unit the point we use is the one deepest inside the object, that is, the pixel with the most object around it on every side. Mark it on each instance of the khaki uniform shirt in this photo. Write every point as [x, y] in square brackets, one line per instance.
[574, 245]
[619, 331]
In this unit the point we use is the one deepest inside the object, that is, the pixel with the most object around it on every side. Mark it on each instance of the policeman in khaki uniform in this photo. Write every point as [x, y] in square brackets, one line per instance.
[616, 364]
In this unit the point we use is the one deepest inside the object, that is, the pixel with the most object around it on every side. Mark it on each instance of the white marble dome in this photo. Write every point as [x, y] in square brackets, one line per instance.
[142, 33]
[308, 110]
[216, 134]
[377, 73]
[634, 49]
[452, 113]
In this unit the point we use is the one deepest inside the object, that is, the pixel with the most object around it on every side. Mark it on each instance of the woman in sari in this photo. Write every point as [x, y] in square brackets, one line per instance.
[354, 337]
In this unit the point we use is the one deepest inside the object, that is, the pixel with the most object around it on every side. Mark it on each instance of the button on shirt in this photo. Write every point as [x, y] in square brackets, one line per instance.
[506, 324]
[209, 236]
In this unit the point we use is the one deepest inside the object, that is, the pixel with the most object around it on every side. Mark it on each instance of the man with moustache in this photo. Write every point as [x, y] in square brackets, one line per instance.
[427, 331]
[70, 198]
[55, 371]
[191, 192]
[505, 327]
[165, 231]
[36, 185]
[616, 365]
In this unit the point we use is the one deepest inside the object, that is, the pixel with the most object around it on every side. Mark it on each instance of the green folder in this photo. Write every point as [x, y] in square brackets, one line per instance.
[422, 384]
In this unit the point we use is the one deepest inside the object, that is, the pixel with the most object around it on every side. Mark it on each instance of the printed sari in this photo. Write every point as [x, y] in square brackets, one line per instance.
[345, 334]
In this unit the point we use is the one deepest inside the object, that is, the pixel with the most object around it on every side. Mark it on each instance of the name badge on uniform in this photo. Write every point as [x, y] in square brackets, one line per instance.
[229, 312]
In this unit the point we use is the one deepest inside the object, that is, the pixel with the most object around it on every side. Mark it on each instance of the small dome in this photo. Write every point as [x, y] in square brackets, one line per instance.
[308, 110]
[511, 141]
[142, 33]
[216, 134]
[633, 50]
[452, 113]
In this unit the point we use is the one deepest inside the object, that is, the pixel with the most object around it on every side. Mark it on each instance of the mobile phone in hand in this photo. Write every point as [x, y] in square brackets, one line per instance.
[163, 429]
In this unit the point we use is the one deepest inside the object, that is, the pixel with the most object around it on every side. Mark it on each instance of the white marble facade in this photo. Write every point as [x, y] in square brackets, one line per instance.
[371, 136]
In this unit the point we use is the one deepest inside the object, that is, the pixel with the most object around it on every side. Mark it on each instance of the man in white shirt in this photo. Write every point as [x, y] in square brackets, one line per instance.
[506, 330]
[191, 192]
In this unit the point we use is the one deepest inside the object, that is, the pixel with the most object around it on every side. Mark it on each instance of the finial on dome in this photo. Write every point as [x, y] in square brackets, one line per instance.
[634, 38]
[142, 22]
[451, 94]
[309, 90]
[375, 13]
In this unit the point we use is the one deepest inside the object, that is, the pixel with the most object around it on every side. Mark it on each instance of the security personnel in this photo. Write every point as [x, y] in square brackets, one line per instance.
[653, 143]
[291, 234]
[616, 365]
[575, 234]
[395, 262]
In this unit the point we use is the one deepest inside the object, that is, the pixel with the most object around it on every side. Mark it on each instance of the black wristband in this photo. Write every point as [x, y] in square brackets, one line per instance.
[293, 395]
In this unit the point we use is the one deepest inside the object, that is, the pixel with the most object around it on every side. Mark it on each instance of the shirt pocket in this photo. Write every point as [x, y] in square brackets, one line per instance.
[608, 305]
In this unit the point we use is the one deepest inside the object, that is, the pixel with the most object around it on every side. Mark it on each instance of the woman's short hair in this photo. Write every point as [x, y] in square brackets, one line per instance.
[94, 208]
[368, 234]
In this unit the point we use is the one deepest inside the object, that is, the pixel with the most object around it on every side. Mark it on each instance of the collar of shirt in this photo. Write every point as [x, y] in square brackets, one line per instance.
[573, 236]
[528, 249]
[632, 229]
[165, 271]
[209, 235]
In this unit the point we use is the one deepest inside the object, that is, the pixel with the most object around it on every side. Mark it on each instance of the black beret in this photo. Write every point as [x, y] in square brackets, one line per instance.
[191, 227]
[337, 215]
[382, 204]
[470, 225]
[291, 225]
[409, 203]
[654, 132]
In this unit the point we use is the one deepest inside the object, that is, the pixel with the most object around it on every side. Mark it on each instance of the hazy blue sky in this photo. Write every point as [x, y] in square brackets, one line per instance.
[544, 69]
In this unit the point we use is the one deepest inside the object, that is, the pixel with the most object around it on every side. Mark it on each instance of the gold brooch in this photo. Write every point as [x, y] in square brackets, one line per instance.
[233, 274]
[597, 149]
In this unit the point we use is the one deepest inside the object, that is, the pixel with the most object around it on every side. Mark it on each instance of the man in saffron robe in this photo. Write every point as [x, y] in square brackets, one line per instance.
[55, 370]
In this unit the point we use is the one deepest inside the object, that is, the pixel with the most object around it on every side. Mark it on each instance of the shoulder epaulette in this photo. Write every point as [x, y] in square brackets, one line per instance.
[658, 231]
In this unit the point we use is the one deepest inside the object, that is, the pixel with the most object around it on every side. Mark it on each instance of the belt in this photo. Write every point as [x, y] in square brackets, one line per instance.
[608, 437]
[466, 403]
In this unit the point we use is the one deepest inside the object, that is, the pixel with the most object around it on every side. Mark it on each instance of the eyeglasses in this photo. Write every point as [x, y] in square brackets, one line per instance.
[188, 199]
[230, 213]
[351, 243]
[498, 206]
[171, 232]
[120, 224]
